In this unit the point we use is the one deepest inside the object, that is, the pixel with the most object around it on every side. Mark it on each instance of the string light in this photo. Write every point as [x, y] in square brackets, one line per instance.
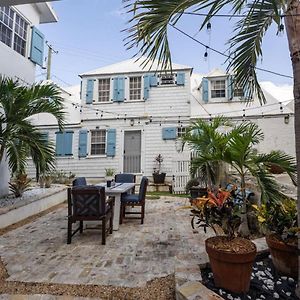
[280, 31]
[208, 27]
[205, 53]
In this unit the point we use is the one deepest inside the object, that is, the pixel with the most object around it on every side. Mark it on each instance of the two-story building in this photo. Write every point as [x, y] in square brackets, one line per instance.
[22, 49]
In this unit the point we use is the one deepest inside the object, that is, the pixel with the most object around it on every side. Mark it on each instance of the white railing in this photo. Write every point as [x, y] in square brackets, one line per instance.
[181, 172]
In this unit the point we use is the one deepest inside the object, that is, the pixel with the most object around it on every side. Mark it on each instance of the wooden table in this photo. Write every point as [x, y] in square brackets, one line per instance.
[116, 191]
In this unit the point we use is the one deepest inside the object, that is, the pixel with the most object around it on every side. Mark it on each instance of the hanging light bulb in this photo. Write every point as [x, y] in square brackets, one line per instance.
[208, 27]
[281, 108]
[280, 31]
[205, 54]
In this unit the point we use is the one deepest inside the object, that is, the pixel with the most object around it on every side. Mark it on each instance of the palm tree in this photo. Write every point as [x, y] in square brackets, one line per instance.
[19, 138]
[149, 34]
[237, 149]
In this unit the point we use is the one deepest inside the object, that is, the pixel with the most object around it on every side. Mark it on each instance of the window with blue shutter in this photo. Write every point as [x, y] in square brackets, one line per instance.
[82, 144]
[37, 47]
[169, 133]
[230, 87]
[89, 91]
[205, 90]
[146, 86]
[64, 141]
[118, 89]
[180, 79]
[111, 142]
[153, 80]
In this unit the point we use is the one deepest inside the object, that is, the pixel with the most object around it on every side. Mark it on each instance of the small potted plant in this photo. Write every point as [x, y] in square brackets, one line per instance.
[158, 176]
[228, 254]
[194, 188]
[109, 176]
[280, 223]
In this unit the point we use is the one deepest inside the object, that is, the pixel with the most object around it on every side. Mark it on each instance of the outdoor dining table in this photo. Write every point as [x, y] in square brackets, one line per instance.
[116, 191]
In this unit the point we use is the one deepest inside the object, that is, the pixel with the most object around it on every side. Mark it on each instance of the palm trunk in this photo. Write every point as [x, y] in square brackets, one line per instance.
[292, 22]
[244, 228]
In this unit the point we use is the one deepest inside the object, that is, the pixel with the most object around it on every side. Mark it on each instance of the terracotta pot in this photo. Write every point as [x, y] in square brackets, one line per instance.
[284, 256]
[232, 271]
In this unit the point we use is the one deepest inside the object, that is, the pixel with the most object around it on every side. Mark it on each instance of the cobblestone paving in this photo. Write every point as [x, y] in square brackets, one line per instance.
[38, 252]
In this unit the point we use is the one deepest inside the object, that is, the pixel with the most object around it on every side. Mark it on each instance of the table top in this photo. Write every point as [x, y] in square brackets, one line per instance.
[118, 188]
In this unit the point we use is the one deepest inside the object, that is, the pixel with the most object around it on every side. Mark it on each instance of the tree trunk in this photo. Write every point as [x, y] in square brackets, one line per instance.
[292, 23]
[244, 227]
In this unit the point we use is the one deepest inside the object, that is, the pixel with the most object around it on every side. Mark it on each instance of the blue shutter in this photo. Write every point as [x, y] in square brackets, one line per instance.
[115, 88]
[37, 47]
[146, 86]
[180, 80]
[81, 90]
[68, 138]
[230, 87]
[111, 142]
[121, 89]
[82, 144]
[89, 91]
[169, 133]
[59, 149]
[205, 90]
[153, 80]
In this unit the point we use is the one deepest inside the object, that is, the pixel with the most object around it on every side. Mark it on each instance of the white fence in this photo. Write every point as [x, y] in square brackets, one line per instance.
[181, 172]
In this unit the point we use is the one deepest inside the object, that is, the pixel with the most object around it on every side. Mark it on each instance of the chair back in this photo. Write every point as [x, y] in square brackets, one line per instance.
[88, 202]
[143, 188]
[79, 181]
[125, 177]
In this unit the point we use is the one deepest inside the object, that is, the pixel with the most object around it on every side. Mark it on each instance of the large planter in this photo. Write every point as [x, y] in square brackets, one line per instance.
[159, 178]
[232, 271]
[284, 256]
[196, 192]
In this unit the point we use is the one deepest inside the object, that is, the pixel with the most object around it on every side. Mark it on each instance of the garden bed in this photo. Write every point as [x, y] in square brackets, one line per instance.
[33, 201]
[265, 283]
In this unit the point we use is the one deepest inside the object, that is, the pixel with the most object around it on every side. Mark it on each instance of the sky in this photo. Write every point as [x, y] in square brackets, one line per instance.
[89, 35]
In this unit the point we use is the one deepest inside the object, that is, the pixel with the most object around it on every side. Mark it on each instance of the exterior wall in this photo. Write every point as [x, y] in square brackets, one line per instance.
[12, 63]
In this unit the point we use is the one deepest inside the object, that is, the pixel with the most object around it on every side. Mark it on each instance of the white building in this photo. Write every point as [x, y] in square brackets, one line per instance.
[129, 115]
[21, 48]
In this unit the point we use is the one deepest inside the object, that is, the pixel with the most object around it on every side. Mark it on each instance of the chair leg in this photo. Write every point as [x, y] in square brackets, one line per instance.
[69, 238]
[103, 231]
[143, 213]
[111, 223]
[121, 213]
[81, 226]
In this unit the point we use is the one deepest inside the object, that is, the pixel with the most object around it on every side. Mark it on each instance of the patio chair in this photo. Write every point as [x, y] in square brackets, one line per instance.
[88, 203]
[126, 178]
[79, 181]
[135, 200]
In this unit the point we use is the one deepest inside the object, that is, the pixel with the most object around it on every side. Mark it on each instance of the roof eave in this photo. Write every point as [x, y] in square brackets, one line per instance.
[48, 14]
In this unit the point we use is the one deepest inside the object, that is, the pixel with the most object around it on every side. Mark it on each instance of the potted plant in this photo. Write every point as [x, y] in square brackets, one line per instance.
[109, 176]
[194, 188]
[158, 176]
[228, 254]
[280, 222]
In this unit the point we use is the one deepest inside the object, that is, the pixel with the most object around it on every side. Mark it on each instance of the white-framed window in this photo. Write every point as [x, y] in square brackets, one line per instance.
[167, 79]
[181, 131]
[217, 88]
[135, 88]
[104, 90]
[98, 141]
[13, 29]
[238, 92]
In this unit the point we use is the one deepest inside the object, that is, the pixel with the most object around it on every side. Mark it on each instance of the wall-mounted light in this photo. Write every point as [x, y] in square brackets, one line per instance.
[286, 119]
[131, 122]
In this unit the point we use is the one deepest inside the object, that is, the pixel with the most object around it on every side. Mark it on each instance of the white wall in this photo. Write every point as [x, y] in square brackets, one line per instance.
[12, 63]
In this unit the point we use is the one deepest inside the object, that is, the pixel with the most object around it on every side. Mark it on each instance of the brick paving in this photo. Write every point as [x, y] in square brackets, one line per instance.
[37, 252]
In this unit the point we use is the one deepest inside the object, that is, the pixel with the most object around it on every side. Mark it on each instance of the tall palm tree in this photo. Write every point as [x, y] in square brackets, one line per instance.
[237, 149]
[149, 33]
[19, 138]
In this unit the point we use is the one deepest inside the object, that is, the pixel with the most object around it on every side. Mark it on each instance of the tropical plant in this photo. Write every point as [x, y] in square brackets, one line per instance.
[158, 159]
[19, 138]
[280, 218]
[19, 184]
[237, 148]
[217, 211]
[205, 137]
[109, 172]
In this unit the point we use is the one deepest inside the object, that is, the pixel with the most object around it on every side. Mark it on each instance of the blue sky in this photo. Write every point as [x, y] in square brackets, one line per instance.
[88, 36]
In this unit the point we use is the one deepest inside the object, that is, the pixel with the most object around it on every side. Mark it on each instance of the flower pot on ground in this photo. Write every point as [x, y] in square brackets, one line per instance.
[158, 176]
[280, 222]
[227, 253]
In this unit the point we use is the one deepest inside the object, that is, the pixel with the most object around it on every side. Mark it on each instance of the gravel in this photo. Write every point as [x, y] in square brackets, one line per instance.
[265, 284]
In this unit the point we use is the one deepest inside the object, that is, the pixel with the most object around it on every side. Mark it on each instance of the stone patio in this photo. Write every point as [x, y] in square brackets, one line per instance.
[37, 252]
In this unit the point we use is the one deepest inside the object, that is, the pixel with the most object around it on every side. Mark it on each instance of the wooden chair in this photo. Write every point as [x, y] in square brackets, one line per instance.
[88, 203]
[126, 178]
[135, 200]
[79, 181]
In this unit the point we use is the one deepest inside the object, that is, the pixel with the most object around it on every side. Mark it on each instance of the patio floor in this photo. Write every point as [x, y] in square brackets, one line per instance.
[133, 256]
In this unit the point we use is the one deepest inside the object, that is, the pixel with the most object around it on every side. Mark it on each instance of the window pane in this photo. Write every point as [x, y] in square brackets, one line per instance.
[135, 87]
[98, 142]
[20, 35]
[167, 79]
[218, 89]
[6, 25]
[104, 90]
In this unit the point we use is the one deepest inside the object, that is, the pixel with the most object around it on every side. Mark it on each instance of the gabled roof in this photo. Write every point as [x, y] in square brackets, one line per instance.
[131, 66]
